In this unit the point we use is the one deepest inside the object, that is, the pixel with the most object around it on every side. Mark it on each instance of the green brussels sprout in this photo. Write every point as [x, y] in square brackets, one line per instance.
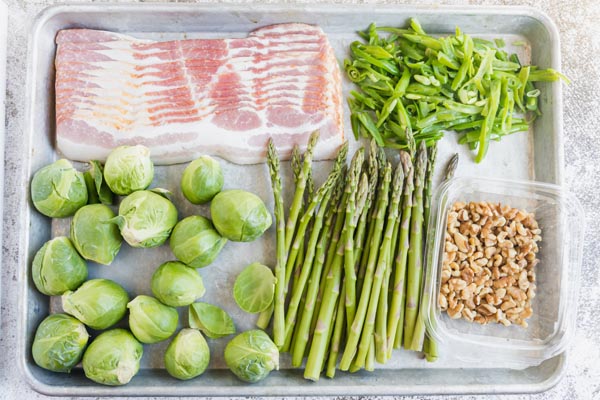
[58, 190]
[146, 219]
[59, 342]
[128, 168]
[175, 284]
[211, 320]
[254, 288]
[95, 237]
[98, 190]
[187, 355]
[239, 215]
[150, 320]
[196, 242]
[98, 303]
[57, 267]
[113, 358]
[202, 179]
[251, 355]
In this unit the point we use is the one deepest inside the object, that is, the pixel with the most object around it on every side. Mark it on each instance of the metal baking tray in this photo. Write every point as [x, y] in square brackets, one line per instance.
[537, 155]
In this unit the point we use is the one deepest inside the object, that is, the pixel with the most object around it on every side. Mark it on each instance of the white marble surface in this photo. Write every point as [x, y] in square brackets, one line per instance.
[579, 25]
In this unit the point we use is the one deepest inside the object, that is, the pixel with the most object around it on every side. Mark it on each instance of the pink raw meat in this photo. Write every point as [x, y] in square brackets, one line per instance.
[184, 98]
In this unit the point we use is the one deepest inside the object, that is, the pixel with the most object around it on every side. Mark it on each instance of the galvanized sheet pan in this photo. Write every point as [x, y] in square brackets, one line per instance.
[536, 155]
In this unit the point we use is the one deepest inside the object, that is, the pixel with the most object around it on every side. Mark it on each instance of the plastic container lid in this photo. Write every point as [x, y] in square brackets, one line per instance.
[552, 324]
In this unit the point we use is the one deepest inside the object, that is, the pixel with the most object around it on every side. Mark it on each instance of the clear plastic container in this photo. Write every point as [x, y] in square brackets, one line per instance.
[552, 324]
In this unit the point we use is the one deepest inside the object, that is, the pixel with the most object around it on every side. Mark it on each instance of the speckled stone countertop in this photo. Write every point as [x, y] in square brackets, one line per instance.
[579, 25]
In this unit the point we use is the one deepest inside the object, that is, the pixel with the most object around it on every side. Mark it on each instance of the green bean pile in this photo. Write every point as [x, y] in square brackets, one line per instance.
[412, 82]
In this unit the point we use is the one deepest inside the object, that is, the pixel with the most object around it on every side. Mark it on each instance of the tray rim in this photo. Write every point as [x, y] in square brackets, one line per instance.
[74, 7]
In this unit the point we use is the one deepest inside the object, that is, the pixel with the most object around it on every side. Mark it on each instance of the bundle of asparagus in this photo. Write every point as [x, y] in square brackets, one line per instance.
[350, 259]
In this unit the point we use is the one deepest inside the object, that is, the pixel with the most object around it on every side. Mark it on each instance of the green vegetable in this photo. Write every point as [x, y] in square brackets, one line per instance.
[196, 242]
[254, 288]
[280, 245]
[176, 285]
[113, 358]
[58, 190]
[94, 236]
[213, 321]
[411, 82]
[128, 168]
[202, 179]
[251, 356]
[98, 190]
[239, 216]
[187, 355]
[59, 343]
[146, 219]
[150, 320]
[57, 267]
[98, 303]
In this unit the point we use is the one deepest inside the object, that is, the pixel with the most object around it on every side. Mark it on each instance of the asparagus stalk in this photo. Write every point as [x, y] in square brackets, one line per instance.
[278, 325]
[351, 221]
[415, 250]
[302, 336]
[336, 337]
[310, 209]
[420, 338]
[296, 206]
[382, 265]
[361, 230]
[370, 364]
[265, 317]
[359, 319]
[395, 322]
[305, 269]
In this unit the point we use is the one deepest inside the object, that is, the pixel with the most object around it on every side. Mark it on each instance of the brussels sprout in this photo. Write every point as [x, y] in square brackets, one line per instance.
[58, 190]
[251, 355]
[196, 242]
[59, 342]
[254, 288]
[146, 219]
[176, 284]
[239, 215]
[94, 235]
[150, 320]
[187, 355]
[113, 358]
[202, 179]
[98, 303]
[57, 267]
[128, 168]
[98, 190]
[211, 320]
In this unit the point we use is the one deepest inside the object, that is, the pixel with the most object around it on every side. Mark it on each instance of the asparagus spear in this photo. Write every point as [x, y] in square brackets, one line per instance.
[278, 324]
[351, 221]
[302, 336]
[382, 265]
[361, 230]
[420, 338]
[336, 337]
[359, 319]
[305, 269]
[310, 209]
[296, 206]
[395, 322]
[265, 317]
[370, 363]
[415, 250]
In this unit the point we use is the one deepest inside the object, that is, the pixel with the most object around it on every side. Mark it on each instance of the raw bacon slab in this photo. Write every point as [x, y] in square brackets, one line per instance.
[184, 98]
